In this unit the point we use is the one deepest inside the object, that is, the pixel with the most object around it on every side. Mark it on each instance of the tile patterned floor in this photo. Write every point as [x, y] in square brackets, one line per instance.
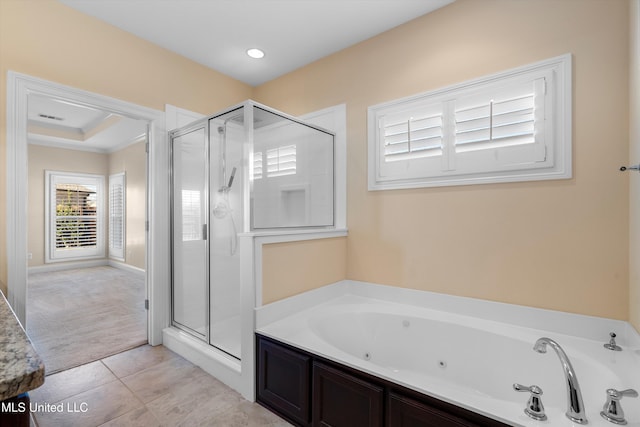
[146, 386]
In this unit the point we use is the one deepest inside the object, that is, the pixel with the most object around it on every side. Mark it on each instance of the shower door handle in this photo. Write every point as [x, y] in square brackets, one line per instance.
[204, 231]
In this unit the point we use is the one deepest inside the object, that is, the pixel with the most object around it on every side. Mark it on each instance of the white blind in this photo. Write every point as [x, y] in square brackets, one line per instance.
[191, 215]
[75, 205]
[257, 165]
[505, 127]
[496, 123]
[412, 138]
[76, 217]
[281, 161]
[116, 216]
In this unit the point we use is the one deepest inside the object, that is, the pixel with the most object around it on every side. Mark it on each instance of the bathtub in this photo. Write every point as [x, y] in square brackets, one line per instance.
[470, 361]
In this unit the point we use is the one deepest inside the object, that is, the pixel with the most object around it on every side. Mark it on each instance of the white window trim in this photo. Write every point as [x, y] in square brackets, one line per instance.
[51, 255]
[560, 154]
[118, 253]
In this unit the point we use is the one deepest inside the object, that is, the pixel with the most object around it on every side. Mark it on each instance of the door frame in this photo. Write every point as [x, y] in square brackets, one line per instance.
[157, 258]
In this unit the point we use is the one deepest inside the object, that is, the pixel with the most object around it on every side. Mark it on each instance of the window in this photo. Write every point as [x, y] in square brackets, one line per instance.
[191, 215]
[74, 216]
[257, 165]
[512, 126]
[117, 216]
[281, 161]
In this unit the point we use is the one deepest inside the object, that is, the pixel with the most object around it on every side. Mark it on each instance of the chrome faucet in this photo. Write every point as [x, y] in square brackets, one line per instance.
[575, 406]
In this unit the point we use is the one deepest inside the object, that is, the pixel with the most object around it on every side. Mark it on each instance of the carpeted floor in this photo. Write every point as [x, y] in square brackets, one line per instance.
[79, 316]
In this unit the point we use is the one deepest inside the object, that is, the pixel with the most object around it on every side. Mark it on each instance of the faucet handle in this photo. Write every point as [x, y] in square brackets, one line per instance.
[611, 345]
[534, 408]
[612, 411]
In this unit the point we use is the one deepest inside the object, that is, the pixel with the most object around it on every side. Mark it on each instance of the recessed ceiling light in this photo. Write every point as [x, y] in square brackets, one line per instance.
[255, 53]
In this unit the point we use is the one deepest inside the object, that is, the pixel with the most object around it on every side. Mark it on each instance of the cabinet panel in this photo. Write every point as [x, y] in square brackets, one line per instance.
[283, 381]
[406, 412]
[309, 390]
[342, 400]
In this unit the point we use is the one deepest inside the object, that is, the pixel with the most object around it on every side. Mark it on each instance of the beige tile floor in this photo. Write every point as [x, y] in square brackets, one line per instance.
[145, 386]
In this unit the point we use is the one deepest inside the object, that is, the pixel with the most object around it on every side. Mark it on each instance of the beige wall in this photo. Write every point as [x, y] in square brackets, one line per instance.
[132, 161]
[560, 245]
[49, 40]
[60, 160]
[309, 264]
[556, 244]
[634, 157]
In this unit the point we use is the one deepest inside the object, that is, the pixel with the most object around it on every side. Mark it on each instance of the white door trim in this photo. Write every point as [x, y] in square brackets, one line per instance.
[19, 86]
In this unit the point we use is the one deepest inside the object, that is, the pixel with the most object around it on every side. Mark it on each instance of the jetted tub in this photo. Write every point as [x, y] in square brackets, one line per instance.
[471, 362]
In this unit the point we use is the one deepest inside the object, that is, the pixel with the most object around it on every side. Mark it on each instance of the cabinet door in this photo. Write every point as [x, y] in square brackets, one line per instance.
[283, 381]
[406, 412]
[341, 400]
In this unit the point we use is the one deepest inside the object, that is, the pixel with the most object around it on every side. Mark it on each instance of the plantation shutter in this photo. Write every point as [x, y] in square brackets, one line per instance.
[412, 138]
[191, 215]
[510, 126]
[281, 161]
[411, 142]
[76, 216]
[117, 216]
[502, 128]
[257, 165]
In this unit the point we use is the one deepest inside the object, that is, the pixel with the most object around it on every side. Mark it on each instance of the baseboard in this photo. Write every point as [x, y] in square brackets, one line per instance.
[59, 266]
[47, 268]
[126, 267]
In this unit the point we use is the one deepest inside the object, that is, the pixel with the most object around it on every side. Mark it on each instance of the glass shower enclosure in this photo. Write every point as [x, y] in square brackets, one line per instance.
[249, 169]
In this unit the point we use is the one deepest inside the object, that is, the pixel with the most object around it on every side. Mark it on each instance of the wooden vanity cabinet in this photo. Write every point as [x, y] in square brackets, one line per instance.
[308, 390]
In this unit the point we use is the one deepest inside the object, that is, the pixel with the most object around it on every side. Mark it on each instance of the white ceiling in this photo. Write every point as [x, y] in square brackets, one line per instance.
[292, 33]
[216, 34]
[64, 124]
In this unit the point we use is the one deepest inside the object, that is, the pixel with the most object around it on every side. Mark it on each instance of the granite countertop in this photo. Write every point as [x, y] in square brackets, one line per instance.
[21, 369]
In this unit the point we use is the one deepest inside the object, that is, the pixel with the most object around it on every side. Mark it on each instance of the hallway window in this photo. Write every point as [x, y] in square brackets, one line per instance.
[75, 214]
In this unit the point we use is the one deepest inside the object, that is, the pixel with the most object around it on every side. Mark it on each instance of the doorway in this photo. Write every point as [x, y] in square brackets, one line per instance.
[20, 89]
[86, 231]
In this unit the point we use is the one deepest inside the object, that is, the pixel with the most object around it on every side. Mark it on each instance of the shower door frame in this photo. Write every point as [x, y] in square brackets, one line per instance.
[196, 125]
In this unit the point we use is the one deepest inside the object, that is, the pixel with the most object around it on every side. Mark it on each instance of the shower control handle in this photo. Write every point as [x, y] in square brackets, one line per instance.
[534, 408]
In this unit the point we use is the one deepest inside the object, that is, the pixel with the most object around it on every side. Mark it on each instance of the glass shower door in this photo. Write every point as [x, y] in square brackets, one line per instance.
[190, 267]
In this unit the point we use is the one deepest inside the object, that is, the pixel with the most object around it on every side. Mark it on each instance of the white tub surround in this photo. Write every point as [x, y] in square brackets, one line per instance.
[460, 350]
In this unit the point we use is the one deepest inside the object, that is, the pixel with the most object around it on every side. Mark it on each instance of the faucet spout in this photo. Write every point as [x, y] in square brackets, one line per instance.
[575, 406]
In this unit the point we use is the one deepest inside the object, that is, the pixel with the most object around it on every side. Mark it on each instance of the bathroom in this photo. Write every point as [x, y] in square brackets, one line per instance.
[567, 245]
